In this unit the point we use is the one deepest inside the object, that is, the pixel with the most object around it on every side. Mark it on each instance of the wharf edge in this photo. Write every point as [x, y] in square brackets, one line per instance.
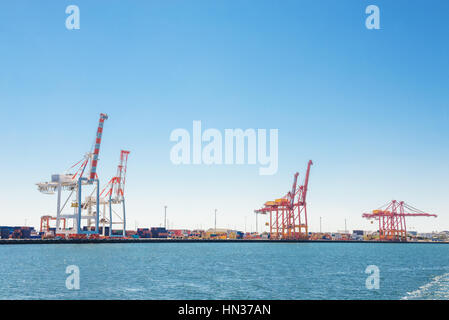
[100, 241]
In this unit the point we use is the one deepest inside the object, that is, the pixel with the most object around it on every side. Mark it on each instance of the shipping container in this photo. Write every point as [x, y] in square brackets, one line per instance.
[4, 233]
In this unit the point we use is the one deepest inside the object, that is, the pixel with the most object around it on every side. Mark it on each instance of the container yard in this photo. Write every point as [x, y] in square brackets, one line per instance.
[87, 212]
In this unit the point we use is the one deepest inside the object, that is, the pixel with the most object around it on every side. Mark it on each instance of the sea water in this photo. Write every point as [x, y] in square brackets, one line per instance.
[224, 271]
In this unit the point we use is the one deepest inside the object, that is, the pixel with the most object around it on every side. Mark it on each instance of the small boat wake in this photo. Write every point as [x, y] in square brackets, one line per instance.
[437, 289]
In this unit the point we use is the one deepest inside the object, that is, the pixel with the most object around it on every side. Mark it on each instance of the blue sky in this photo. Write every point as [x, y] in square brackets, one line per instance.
[369, 107]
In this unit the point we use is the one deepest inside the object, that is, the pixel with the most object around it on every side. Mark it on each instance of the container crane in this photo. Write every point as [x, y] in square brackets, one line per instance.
[288, 215]
[391, 217]
[115, 196]
[74, 183]
[45, 224]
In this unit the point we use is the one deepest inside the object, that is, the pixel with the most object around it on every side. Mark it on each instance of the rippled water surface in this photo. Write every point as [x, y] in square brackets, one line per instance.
[225, 271]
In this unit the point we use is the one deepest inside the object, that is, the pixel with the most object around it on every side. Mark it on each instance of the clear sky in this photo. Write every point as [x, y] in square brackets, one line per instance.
[369, 107]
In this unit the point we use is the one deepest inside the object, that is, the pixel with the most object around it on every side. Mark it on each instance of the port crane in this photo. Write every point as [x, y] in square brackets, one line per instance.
[288, 215]
[74, 183]
[391, 218]
[113, 196]
[45, 223]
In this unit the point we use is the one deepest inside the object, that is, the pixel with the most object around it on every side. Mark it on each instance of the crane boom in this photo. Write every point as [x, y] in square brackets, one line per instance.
[293, 192]
[94, 162]
[374, 215]
[116, 186]
[121, 174]
[306, 181]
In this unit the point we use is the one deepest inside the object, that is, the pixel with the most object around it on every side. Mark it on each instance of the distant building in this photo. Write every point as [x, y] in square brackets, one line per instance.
[425, 235]
[357, 235]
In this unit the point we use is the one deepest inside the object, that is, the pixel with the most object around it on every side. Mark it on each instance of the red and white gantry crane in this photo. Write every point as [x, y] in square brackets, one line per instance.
[113, 195]
[288, 215]
[391, 218]
[87, 211]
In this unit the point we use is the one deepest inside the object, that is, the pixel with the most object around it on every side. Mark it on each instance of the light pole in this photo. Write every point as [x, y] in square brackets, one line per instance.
[215, 220]
[165, 217]
[320, 224]
[256, 222]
